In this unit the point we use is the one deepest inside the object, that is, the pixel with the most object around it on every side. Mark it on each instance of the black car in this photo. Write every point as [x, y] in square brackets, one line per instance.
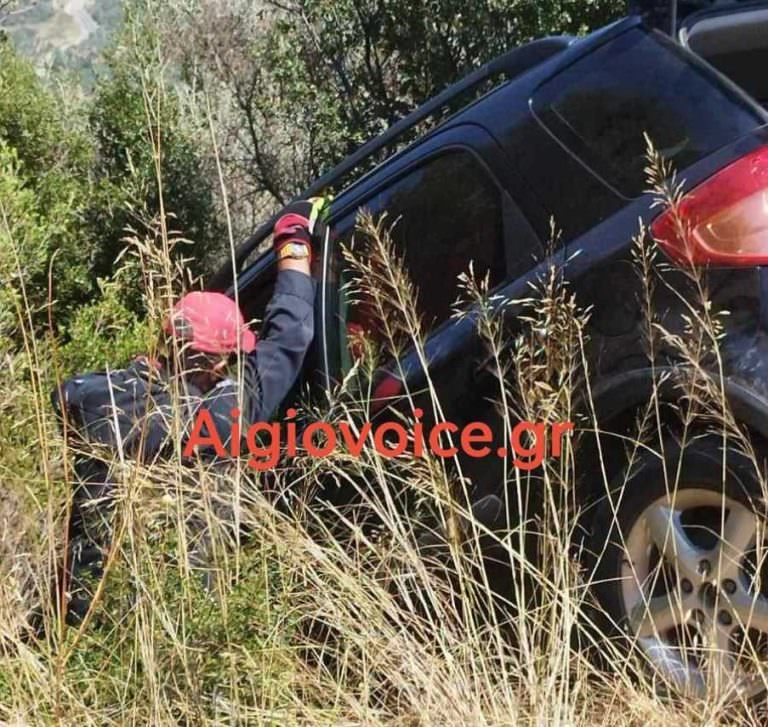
[561, 136]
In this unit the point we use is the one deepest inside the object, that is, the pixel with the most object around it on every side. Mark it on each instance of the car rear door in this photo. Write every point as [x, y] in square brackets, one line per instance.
[448, 202]
[447, 206]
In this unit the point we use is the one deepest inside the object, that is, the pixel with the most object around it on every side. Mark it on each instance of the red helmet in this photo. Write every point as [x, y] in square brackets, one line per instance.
[210, 322]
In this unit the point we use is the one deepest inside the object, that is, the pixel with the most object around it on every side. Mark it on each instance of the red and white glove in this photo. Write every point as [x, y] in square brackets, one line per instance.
[302, 223]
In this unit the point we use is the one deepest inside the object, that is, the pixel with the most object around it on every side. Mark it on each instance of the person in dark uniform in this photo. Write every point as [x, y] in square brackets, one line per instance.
[131, 412]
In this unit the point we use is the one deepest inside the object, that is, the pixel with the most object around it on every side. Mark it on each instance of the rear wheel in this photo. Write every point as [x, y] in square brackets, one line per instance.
[681, 569]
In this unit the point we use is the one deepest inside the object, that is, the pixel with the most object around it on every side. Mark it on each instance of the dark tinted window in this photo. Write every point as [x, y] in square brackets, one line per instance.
[640, 82]
[747, 68]
[448, 213]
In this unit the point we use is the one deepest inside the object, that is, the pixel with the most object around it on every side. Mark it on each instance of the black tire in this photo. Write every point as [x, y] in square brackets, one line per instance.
[635, 490]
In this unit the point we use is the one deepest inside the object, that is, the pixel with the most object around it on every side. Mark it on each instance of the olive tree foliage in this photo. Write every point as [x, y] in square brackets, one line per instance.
[147, 166]
[151, 172]
[78, 179]
[307, 81]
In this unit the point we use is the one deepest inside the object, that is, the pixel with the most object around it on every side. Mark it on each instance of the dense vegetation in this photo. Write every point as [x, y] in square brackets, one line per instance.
[276, 95]
[208, 113]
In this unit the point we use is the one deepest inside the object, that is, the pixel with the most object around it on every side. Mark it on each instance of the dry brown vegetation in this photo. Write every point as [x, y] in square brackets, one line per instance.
[310, 613]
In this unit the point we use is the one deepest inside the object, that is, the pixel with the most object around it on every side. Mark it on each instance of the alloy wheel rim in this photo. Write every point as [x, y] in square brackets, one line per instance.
[692, 587]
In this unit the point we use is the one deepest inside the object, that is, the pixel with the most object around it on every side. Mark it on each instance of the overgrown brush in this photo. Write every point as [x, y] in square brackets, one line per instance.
[232, 597]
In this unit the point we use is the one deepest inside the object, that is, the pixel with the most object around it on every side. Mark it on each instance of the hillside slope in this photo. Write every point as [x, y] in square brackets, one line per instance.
[63, 34]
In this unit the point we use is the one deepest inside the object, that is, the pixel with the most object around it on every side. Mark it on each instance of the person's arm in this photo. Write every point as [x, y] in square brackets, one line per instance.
[273, 367]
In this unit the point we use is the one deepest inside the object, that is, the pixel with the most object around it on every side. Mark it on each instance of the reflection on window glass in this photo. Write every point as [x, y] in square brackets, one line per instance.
[602, 105]
[446, 213]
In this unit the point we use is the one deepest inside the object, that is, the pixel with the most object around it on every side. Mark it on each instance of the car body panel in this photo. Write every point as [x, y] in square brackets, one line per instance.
[542, 178]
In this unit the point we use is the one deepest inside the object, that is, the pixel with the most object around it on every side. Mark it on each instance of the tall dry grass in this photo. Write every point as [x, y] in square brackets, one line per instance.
[232, 598]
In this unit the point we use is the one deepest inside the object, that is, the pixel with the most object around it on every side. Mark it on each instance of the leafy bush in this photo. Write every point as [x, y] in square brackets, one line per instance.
[139, 135]
[105, 332]
[310, 81]
[43, 188]
[72, 187]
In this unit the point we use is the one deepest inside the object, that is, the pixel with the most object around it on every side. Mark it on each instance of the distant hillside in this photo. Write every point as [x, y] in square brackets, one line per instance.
[63, 34]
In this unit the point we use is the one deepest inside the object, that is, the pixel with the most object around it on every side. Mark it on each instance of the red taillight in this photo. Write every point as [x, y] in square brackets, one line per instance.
[723, 221]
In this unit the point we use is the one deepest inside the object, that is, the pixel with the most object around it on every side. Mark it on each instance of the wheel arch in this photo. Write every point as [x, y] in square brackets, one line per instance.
[616, 401]
[628, 390]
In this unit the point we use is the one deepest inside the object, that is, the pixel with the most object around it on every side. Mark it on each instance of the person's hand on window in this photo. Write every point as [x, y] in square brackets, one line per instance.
[302, 222]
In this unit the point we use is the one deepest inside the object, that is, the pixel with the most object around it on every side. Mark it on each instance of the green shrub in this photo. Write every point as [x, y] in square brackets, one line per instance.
[134, 121]
[44, 185]
[70, 192]
[105, 332]
[40, 232]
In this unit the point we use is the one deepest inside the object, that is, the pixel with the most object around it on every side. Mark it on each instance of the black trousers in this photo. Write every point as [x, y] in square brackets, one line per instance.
[89, 534]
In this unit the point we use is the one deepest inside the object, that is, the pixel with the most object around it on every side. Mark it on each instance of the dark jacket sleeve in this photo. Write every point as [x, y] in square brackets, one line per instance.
[272, 368]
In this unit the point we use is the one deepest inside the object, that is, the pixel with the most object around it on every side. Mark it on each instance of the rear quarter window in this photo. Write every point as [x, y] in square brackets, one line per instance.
[641, 82]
